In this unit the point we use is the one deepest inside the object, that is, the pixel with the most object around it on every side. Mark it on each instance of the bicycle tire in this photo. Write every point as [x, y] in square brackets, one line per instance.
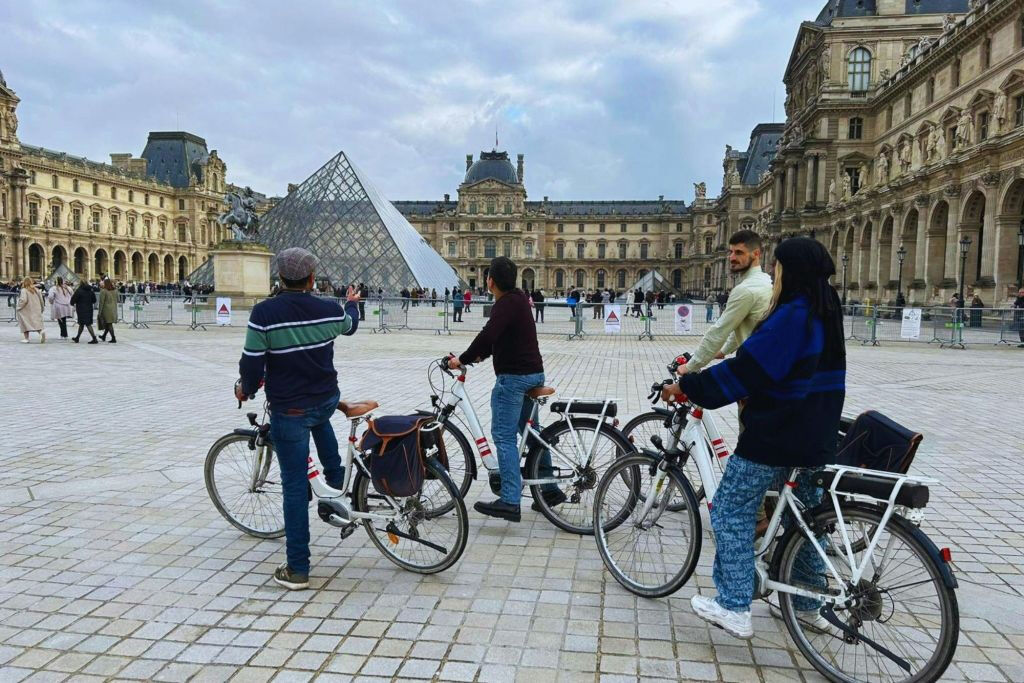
[361, 500]
[460, 468]
[689, 469]
[575, 517]
[273, 509]
[632, 470]
[876, 599]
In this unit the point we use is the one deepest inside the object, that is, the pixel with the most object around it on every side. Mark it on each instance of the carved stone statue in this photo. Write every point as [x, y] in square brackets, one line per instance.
[863, 177]
[832, 191]
[948, 23]
[826, 65]
[933, 144]
[916, 154]
[999, 110]
[845, 180]
[241, 216]
[884, 74]
[964, 129]
[905, 156]
[882, 169]
[700, 190]
[940, 142]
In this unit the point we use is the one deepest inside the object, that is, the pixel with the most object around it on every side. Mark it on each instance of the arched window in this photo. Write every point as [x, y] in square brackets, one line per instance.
[859, 70]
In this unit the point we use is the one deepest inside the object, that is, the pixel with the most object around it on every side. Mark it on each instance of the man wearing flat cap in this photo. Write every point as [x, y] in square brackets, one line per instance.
[289, 344]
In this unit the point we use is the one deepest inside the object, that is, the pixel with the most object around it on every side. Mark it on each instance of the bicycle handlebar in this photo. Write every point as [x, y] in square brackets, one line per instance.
[238, 383]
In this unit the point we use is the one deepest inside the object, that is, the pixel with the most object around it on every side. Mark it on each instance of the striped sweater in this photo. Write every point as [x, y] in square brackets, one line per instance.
[793, 385]
[290, 341]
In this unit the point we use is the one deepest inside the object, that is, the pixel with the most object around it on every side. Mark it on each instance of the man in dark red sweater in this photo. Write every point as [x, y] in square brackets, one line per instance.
[510, 336]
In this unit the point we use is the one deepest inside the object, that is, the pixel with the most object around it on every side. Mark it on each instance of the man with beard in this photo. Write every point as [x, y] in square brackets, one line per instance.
[747, 304]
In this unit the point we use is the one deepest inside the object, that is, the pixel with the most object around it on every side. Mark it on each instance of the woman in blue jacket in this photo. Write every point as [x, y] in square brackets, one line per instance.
[791, 373]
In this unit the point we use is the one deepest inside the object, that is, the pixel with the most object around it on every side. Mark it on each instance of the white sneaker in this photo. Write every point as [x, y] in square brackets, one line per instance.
[23, 341]
[734, 623]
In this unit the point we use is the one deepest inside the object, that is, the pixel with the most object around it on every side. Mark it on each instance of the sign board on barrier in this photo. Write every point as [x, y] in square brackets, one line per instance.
[612, 319]
[911, 328]
[684, 319]
[223, 311]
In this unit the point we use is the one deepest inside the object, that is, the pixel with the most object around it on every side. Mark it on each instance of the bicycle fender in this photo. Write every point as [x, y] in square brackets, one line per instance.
[247, 431]
[945, 571]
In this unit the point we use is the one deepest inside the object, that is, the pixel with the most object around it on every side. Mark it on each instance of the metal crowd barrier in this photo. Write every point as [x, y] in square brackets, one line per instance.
[9, 312]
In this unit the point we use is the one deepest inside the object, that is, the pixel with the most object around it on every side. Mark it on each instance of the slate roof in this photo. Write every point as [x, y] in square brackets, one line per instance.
[867, 8]
[423, 208]
[764, 141]
[563, 208]
[62, 157]
[175, 157]
[492, 165]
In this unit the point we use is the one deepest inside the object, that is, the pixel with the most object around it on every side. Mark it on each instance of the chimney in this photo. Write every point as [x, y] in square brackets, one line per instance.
[661, 197]
[469, 161]
[519, 168]
[447, 197]
[545, 198]
[138, 166]
[120, 160]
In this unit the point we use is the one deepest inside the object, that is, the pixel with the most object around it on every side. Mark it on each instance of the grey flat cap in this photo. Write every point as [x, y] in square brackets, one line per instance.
[295, 263]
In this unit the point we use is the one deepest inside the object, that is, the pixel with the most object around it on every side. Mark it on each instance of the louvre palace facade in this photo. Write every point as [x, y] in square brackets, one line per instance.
[904, 138]
[148, 218]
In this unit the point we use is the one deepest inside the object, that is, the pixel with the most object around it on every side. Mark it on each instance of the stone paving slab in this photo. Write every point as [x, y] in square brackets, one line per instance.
[115, 564]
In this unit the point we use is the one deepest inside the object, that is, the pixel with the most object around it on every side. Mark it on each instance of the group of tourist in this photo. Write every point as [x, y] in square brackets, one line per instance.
[67, 302]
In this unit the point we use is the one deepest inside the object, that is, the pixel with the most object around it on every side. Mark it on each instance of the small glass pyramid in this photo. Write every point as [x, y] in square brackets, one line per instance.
[357, 234]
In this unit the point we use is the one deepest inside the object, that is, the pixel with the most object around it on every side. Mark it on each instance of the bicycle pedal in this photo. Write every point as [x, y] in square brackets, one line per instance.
[574, 498]
[347, 530]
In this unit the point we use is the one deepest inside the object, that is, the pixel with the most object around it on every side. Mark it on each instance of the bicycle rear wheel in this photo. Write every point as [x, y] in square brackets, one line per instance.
[902, 604]
[245, 485]
[421, 538]
[650, 555]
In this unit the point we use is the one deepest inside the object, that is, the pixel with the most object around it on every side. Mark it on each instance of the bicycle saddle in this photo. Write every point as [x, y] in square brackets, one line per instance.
[538, 392]
[357, 408]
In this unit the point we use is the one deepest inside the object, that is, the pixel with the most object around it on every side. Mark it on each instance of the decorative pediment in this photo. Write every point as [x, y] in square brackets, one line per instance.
[1014, 81]
[854, 157]
[32, 196]
[983, 98]
[76, 204]
[96, 207]
[904, 137]
[950, 116]
[56, 201]
[925, 128]
[487, 184]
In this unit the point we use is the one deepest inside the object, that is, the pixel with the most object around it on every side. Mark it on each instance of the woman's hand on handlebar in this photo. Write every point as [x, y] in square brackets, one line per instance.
[671, 393]
[454, 363]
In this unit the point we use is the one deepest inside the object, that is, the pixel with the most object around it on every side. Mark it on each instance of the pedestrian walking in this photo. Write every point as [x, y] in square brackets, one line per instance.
[84, 299]
[638, 300]
[30, 311]
[709, 308]
[364, 292]
[433, 297]
[1018, 316]
[60, 306]
[538, 305]
[458, 303]
[976, 309]
[467, 298]
[108, 311]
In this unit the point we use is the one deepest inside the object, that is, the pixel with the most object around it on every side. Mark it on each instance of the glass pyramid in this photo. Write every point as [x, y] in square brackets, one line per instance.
[357, 234]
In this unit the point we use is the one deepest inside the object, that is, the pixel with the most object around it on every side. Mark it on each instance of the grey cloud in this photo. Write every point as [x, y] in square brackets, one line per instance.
[606, 99]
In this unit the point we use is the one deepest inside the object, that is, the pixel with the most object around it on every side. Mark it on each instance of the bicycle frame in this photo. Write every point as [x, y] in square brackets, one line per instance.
[459, 397]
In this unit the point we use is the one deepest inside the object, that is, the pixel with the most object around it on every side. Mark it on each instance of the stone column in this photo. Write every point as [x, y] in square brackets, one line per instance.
[794, 180]
[874, 252]
[1006, 254]
[812, 179]
[952, 269]
[778, 193]
[988, 238]
[921, 250]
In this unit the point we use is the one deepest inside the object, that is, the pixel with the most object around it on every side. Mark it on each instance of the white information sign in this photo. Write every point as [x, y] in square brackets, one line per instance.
[684, 318]
[223, 311]
[612, 319]
[911, 328]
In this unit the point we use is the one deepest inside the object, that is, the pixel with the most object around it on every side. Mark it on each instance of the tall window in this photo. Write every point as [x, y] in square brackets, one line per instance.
[600, 228]
[859, 70]
[451, 249]
[602, 249]
[508, 208]
[74, 185]
[146, 199]
[620, 279]
[181, 205]
[472, 249]
[644, 247]
[114, 220]
[748, 204]
[580, 275]
[95, 189]
[472, 207]
[490, 207]
[131, 195]
[161, 202]
[1018, 111]
[986, 53]
[529, 227]
[561, 227]
[888, 117]
[580, 228]
[529, 250]
[679, 227]
[709, 243]
[559, 279]
[33, 213]
[113, 193]
[76, 219]
[506, 248]
[95, 221]
[508, 227]
[560, 250]
[53, 181]
[599, 279]
[983, 120]
[856, 131]
[622, 250]
[490, 248]
[622, 227]
[678, 250]
[954, 76]
[643, 227]
[931, 90]
[580, 247]
[55, 215]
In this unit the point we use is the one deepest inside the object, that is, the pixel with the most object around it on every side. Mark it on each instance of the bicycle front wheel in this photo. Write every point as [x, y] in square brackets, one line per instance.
[576, 476]
[639, 431]
[901, 604]
[650, 554]
[429, 532]
[245, 485]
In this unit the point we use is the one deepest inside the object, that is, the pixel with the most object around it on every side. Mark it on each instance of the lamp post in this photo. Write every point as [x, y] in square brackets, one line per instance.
[846, 262]
[1020, 256]
[965, 246]
[901, 255]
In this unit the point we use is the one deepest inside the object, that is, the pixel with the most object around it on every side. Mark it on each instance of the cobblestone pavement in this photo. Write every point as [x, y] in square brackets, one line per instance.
[116, 565]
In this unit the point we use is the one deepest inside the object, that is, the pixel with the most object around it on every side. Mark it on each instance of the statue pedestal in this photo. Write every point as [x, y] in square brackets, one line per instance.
[241, 269]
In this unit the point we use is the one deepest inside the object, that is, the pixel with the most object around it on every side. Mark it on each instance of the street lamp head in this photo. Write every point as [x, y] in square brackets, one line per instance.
[965, 245]
[901, 253]
[846, 258]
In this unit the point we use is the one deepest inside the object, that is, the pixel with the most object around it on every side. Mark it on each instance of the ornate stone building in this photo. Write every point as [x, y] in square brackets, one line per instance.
[559, 244]
[147, 218]
[905, 128]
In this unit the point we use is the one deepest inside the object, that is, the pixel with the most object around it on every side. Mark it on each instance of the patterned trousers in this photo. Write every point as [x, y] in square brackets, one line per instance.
[734, 517]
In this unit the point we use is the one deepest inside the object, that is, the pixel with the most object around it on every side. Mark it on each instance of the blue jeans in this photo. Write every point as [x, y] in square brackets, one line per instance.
[734, 517]
[510, 409]
[289, 432]
[710, 312]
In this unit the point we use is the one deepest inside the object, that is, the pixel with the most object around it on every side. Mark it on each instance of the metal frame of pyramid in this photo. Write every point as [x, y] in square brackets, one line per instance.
[654, 281]
[358, 235]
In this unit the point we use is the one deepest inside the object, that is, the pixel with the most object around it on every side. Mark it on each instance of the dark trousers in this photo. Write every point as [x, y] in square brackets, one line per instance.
[362, 310]
[538, 313]
[290, 434]
[457, 315]
[62, 323]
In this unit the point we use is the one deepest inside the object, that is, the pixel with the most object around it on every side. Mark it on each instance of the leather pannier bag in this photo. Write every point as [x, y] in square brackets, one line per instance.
[398, 447]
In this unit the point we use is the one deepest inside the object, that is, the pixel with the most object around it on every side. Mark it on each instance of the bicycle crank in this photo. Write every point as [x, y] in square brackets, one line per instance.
[333, 512]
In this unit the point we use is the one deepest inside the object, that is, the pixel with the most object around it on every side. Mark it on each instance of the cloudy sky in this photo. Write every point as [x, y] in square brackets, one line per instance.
[607, 100]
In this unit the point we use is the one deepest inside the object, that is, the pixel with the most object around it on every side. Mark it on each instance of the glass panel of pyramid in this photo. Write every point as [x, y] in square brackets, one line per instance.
[357, 234]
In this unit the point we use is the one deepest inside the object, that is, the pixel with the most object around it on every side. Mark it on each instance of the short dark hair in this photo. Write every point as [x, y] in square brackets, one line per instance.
[503, 272]
[749, 238]
[295, 284]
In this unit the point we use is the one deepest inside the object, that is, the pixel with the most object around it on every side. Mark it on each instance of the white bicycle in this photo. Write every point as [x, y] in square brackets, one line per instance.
[424, 533]
[579, 447]
[884, 589]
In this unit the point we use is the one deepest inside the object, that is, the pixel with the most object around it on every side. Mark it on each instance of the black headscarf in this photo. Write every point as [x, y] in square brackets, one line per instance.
[806, 268]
